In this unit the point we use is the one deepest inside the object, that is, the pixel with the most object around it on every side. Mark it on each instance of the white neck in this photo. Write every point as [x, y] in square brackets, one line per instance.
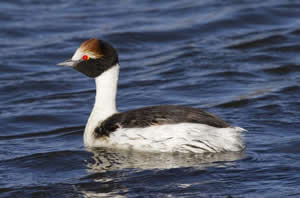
[105, 102]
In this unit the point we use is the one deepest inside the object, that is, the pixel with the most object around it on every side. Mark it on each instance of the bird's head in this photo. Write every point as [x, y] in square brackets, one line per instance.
[92, 58]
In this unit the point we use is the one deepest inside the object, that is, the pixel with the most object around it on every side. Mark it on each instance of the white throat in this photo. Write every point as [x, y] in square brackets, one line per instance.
[105, 102]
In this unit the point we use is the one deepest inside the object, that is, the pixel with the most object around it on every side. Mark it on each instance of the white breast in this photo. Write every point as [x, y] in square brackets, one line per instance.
[183, 137]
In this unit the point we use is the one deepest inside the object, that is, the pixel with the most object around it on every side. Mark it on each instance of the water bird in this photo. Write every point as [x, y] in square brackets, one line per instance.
[164, 128]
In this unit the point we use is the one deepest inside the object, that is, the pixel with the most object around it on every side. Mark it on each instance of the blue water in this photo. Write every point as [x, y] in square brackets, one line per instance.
[237, 59]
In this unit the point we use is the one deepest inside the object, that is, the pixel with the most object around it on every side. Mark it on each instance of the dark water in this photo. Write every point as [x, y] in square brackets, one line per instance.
[237, 59]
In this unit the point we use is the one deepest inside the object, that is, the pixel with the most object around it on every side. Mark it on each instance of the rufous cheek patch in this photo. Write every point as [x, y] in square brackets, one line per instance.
[92, 47]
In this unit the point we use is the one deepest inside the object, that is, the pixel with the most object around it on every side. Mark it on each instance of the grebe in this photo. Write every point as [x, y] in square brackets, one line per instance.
[165, 128]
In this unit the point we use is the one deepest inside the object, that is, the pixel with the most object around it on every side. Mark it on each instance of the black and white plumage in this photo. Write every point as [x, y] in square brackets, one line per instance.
[157, 115]
[165, 128]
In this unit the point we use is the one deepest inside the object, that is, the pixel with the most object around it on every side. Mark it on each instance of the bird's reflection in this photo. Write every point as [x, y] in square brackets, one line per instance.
[112, 170]
[113, 159]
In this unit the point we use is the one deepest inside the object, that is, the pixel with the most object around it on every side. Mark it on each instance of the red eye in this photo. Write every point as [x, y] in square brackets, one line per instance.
[85, 57]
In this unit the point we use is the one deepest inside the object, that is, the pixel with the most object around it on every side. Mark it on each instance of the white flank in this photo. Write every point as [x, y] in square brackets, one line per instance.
[183, 137]
[105, 102]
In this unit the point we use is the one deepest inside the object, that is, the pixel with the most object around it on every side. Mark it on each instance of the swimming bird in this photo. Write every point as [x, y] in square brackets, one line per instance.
[165, 128]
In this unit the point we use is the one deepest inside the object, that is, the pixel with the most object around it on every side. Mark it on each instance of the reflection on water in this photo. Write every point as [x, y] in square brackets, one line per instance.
[109, 167]
[113, 159]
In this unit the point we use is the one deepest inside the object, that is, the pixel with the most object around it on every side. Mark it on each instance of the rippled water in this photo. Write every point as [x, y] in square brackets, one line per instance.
[237, 59]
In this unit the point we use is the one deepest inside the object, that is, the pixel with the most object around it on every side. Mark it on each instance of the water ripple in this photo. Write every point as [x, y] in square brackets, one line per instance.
[237, 59]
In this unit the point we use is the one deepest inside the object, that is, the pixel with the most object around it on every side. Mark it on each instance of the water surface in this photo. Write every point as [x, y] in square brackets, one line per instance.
[237, 59]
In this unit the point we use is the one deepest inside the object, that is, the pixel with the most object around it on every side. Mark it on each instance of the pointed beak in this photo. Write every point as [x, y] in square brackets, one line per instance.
[69, 63]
